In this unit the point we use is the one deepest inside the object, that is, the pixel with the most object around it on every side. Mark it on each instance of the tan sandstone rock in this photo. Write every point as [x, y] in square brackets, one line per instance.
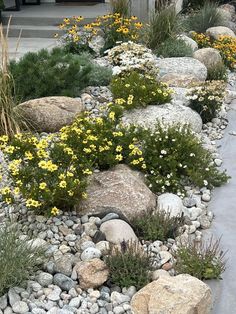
[120, 190]
[217, 31]
[182, 294]
[92, 273]
[208, 56]
[50, 114]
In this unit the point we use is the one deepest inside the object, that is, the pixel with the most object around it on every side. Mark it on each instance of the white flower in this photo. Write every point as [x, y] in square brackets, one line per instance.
[163, 152]
[201, 99]
[205, 182]
[192, 155]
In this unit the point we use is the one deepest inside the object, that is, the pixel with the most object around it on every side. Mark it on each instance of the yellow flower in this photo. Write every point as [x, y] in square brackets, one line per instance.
[63, 184]
[32, 203]
[119, 157]
[55, 211]
[84, 195]
[28, 155]
[9, 149]
[87, 171]
[71, 193]
[5, 190]
[8, 200]
[119, 148]
[42, 185]
[16, 191]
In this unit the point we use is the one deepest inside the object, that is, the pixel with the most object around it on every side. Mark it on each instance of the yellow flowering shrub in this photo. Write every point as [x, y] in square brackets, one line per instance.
[139, 90]
[225, 44]
[113, 27]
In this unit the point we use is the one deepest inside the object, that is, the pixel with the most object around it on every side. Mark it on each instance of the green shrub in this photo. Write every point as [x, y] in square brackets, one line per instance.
[163, 24]
[207, 99]
[174, 47]
[128, 265]
[139, 90]
[54, 73]
[174, 155]
[204, 260]
[18, 259]
[197, 4]
[217, 73]
[208, 16]
[157, 225]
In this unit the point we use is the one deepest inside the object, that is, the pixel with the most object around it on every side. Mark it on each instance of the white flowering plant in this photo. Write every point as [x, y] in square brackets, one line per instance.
[175, 157]
[131, 56]
[207, 99]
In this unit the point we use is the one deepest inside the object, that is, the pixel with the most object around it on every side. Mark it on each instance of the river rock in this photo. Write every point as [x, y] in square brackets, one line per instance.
[50, 114]
[92, 274]
[117, 231]
[208, 56]
[171, 203]
[182, 66]
[119, 190]
[168, 114]
[64, 282]
[217, 31]
[182, 294]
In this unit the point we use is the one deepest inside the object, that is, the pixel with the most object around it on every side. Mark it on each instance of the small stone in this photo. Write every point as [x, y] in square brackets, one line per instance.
[64, 248]
[90, 253]
[218, 162]
[20, 307]
[64, 265]
[45, 279]
[99, 236]
[3, 302]
[119, 298]
[64, 282]
[110, 216]
[206, 197]
[103, 247]
[189, 202]
[55, 294]
[167, 266]
[118, 310]
[158, 273]
[87, 244]
[165, 257]
[75, 302]
[70, 237]
[13, 296]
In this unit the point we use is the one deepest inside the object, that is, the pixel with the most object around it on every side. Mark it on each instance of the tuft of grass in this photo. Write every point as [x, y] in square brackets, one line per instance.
[8, 118]
[204, 260]
[163, 24]
[174, 47]
[18, 259]
[208, 16]
[217, 73]
[158, 225]
[121, 6]
[129, 265]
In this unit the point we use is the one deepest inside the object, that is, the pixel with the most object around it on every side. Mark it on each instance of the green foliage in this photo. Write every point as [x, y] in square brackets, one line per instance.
[174, 47]
[197, 4]
[204, 260]
[208, 16]
[128, 265]
[139, 90]
[157, 225]
[207, 99]
[163, 24]
[217, 73]
[54, 73]
[173, 155]
[18, 259]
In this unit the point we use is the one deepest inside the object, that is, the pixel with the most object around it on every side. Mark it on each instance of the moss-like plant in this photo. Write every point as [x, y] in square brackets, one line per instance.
[204, 260]
[174, 47]
[129, 265]
[18, 259]
[157, 225]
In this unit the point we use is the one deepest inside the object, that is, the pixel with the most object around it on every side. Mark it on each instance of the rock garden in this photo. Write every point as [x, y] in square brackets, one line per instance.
[109, 156]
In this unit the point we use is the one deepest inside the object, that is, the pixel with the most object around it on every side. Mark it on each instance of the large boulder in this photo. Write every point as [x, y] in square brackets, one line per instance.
[189, 41]
[50, 114]
[117, 230]
[119, 190]
[182, 294]
[170, 203]
[92, 274]
[189, 67]
[167, 114]
[217, 31]
[208, 56]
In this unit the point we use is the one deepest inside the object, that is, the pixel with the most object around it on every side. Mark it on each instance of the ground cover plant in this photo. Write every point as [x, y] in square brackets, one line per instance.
[217, 73]
[51, 172]
[174, 47]
[129, 265]
[139, 90]
[207, 99]
[151, 226]
[114, 27]
[225, 44]
[18, 259]
[204, 260]
[54, 73]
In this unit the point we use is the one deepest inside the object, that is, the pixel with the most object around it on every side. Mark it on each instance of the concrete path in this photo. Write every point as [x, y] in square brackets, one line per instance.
[223, 205]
